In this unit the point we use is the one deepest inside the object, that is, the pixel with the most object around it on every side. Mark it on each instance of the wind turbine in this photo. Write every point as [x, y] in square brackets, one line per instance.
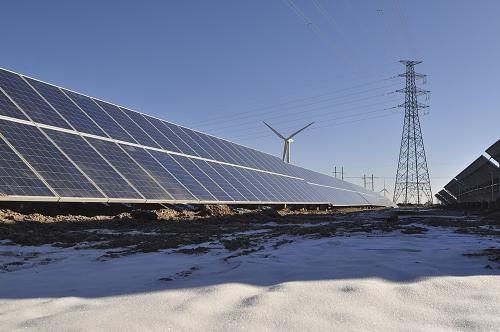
[288, 140]
[385, 191]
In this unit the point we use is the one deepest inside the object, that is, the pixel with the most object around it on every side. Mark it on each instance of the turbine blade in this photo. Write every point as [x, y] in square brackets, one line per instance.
[285, 148]
[274, 131]
[298, 131]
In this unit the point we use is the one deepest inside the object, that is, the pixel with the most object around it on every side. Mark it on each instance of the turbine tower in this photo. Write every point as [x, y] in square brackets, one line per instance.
[412, 176]
[287, 140]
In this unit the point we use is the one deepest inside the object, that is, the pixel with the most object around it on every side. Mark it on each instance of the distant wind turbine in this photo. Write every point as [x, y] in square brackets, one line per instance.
[287, 140]
[385, 191]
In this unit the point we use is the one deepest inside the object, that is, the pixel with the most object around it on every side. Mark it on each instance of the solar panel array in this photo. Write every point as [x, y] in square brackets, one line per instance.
[477, 183]
[59, 145]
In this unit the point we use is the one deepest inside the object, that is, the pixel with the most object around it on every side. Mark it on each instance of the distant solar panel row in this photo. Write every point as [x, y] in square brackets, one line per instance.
[61, 145]
[478, 182]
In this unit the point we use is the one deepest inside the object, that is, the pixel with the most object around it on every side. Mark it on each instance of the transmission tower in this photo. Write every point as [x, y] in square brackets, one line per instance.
[412, 177]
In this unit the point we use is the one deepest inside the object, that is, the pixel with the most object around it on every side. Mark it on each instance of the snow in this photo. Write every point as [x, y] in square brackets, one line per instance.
[378, 282]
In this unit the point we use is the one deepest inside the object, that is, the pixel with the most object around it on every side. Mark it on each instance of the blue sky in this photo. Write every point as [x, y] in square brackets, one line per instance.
[224, 66]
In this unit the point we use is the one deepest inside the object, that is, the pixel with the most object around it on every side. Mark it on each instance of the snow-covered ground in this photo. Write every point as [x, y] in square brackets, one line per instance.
[386, 282]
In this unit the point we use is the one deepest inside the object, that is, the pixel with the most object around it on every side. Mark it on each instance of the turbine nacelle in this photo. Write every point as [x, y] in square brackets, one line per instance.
[287, 140]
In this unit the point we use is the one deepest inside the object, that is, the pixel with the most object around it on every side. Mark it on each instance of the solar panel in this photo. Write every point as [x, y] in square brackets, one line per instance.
[91, 163]
[110, 126]
[7, 108]
[136, 132]
[131, 169]
[29, 100]
[161, 174]
[494, 151]
[16, 178]
[74, 115]
[57, 144]
[215, 189]
[222, 182]
[191, 184]
[47, 160]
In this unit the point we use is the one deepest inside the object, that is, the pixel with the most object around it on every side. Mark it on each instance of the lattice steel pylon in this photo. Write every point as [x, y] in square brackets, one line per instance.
[412, 177]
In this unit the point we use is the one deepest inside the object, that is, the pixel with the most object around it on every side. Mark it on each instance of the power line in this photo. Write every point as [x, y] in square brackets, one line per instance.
[293, 6]
[278, 113]
[329, 17]
[308, 116]
[292, 101]
[331, 120]
[404, 23]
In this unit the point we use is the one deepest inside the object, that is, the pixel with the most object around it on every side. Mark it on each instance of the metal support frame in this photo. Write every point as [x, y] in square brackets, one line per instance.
[412, 176]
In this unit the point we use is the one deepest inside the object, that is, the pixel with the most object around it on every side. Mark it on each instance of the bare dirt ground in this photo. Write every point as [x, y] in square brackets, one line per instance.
[220, 268]
[239, 230]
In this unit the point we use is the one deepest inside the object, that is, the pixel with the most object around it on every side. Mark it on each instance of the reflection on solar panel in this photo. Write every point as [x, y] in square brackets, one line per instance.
[494, 151]
[59, 145]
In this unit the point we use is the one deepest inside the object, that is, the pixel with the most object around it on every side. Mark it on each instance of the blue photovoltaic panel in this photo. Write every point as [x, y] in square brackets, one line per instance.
[27, 98]
[176, 136]
[183, 176]
[216, 149]
[160, 173]
[247, 182]
[273, 191]
[102, 118]
[220, 180]
[7, 108]
[79, 120]
[153, 126]
[237, 152]
[274, 187]
[237, 183]
[261, 189]
[16, 178]
[290, 192]
[200, 146]
[130, 126]
[227, 154]
[48, 161]
[92, 164]
[197, 173]
[342, 197]
[145, 122]
[130, 170]
[136, 167]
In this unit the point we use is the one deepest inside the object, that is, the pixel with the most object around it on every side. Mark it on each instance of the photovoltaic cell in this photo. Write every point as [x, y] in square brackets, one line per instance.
[220, 180]
[176, 136]
[96, 168]
[27, 98]
[287, 191]
[129, 169]
[16, 178]
[130, 126]
[255, 181]
[79, 120]
[48, 161]
[226, 173]
[182, 175]
[200, 146]
[273, 188]
[197, 173]
[161, 175]
[145, 123]
[236, 154]
[245, 181]
[7, 108]
[104, 121]
[226, 154]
